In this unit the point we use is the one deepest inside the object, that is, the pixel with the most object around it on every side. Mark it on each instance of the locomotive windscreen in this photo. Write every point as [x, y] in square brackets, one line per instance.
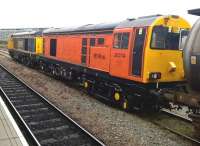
[167, 38]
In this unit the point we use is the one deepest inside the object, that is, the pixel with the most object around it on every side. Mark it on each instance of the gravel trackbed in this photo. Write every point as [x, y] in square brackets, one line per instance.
[112, 126]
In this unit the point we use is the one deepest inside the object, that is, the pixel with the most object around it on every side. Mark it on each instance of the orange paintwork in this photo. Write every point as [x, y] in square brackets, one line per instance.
[121, 64]
[69, 50]
[105, 58]
[46, 46]
[118, 62]
[100, 55]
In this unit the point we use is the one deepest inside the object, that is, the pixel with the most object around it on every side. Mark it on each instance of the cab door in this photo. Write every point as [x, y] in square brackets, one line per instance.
[138, 50]
[120, 53]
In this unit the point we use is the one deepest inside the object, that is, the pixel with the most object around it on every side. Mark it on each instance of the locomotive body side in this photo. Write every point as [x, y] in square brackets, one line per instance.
[63, 48]
[140, 61]
[123, 61]
[99, 52]
[168, 61]
[79, 50]
[25, 46]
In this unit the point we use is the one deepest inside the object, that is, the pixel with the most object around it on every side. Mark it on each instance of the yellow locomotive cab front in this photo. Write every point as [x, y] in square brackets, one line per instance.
[39, 45]
[10, 43]
[163, 61]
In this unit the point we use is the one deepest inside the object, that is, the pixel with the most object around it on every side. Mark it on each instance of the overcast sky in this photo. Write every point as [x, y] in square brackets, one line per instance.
[61, 13]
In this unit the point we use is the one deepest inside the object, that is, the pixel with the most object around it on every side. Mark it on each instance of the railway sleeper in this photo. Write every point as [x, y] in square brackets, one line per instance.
[34, 112]
[6, 86]
[40, 117]
[38, 110]
[20, 94]
[29, 106]
[65, 140]
[47, 123]
[22, 108]
[13, 98]
[15, 90]
[25, 99]
[59, 133]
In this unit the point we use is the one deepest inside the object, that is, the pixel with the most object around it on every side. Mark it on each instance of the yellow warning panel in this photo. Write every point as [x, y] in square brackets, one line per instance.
[39, 45]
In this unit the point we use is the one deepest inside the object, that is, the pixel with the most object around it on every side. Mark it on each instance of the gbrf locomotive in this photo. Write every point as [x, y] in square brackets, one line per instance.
[131, 63]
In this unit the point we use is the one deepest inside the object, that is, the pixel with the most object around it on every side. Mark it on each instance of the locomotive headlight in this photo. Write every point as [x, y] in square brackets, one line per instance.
[154, 75]
[193, 60]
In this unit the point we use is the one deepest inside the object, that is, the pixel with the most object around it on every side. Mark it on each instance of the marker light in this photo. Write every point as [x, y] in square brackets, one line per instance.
[154, 75]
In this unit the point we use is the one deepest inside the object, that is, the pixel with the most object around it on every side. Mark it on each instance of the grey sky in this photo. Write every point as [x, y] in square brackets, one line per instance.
[61, 13]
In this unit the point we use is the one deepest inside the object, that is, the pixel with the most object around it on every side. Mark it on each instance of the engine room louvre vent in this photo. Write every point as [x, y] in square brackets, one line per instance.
[149, 16]
[130, 19]
[92, 41]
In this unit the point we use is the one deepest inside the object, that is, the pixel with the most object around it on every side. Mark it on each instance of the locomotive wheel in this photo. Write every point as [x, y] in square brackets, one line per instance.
[89, 87]
[85, 85]
[125, 104]
[41, 67]
[117, 96]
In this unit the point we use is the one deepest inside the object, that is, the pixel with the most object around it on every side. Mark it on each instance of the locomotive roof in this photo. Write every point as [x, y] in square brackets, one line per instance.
[84, 28]
[140, 22]
[27, 33]
[106, 27]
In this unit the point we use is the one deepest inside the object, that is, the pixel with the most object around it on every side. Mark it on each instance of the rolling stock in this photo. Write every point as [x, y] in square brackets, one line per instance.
[132, 63]
[192, 54]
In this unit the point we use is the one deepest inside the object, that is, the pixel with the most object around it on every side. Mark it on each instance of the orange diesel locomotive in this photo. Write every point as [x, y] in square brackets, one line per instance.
[131, 62]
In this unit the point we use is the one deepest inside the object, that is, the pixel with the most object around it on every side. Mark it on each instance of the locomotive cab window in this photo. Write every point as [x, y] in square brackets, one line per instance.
[53, 45]
[166, 38]
[92, 42]
[100, 41]
[121, 40]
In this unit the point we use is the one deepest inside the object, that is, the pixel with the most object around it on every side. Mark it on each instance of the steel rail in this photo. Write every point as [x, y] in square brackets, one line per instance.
[4, 53]
[165, 111]
[164, 127]
[178, 133]
[188, 120]
[94, 139]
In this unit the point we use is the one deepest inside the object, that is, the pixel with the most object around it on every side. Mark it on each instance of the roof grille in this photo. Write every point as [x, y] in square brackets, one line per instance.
[149, 16]
[130, 19]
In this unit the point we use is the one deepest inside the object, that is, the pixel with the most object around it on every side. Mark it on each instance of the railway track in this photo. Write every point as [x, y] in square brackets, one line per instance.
[166, 111]
[42, 122]
[196, 123]
[166, 127]
[186, 122]
[5, 53]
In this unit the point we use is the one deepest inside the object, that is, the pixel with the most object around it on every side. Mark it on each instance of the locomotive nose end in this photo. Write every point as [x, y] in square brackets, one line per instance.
[172, 67]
